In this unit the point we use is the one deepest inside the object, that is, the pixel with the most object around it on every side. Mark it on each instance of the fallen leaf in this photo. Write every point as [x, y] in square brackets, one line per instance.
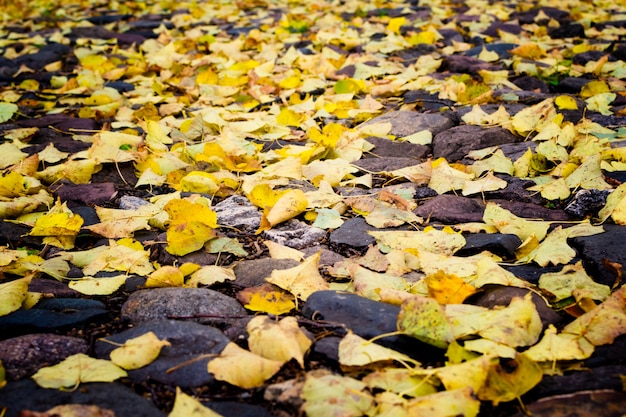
[424, 319]
[268, 299]
[326, 395]
[356, 351]
[264, 332]
[138, 352]
[185, 406]
[76, 369]
[13, 294]
[242, 368]
[510, 379]
[302, 280]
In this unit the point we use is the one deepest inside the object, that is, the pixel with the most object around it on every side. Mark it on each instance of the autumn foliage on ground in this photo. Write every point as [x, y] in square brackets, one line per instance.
[204, 104]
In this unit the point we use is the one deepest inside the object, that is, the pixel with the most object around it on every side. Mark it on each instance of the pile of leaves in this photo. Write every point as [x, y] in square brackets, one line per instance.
[267, 100]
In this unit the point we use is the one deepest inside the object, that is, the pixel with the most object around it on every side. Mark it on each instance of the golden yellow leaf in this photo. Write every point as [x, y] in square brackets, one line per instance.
[13, 294]
[98, 286]
[242, 368]
[529, 51]
[448, 288]
[124, 255]
[59, 226]
[267, 298]
[356, 351]
[76, 369]
[288, 206]
[165, 276]
[566, 102]
[14, 184]
[264, 332]
[187, 406]
[191, 225]
[209, 275]
[445, 178]
[138, 351]
[302, 280]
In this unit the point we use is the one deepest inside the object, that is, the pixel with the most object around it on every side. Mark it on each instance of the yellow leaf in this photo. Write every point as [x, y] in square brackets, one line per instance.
[76, 369]
[615, 206]
[518, 324]
[288, 206]
[424, 319]
[471, 373]
[430, 240]
[11, 154]
[165, 276]
[488, 183]
[124, 255]
[529, 51]
[114, 147]
[116, 223]
[60, 226]
[510, 379]
[458, 402]
[507, 222]
[98, 286]
[444, 178]
[400, 381]
[330, 170]
[264, 332]
[395, 24]
[327, 395]
[278, 251]
[573, 279]
[356, 351]
[448, 288]
[588, 175]
[209, 275]
[186, 406]
[13, 294]
[554, 249]
[604, 323]
[302, 280]
[191, 225]
[533, 118]
[288, 117]
[267, 299]
[138, 351]
[560, 347]
[242, 368]
[594, 87]
[554, 189]
[566, 103]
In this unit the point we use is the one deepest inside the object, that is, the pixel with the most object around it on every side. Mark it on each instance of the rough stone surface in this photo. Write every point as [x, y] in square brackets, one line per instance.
[385, 164]
[451, 209]
[295, 234]
[366, 318]
[390, 148]
[603, 254]
[253, 272]
[238, 212]
[453, 144]
[22, 356]
[405, 123]
[503, 245]
[181, 363]
[199, 304]
[26, 395]
[52, 314]
[231, 408]
[352, 234]
[586, 203]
